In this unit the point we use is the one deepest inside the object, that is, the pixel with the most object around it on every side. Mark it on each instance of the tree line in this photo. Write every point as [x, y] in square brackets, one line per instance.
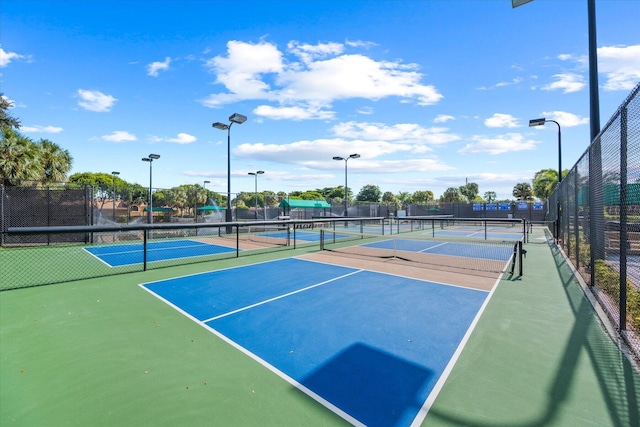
[23, 159]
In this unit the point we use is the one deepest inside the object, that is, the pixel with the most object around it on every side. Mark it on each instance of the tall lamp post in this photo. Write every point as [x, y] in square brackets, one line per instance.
[541, 122]
[239, 119]
[114, 174]
[256, 173]
[346, 189]
[150, 159]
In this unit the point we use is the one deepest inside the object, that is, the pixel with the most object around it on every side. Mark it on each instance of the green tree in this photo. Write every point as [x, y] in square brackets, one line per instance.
[422, 196]
[369, 193]
[469, 190]
[544, 182]
[6, 119]
[18, 158]
[312, 195]
[490, 196]
[389, 197]
[55, 161]
[404, 198]
[452, 194]
[523, 191]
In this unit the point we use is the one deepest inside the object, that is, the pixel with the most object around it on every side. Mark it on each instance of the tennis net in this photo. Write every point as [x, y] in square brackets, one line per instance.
[450, 253]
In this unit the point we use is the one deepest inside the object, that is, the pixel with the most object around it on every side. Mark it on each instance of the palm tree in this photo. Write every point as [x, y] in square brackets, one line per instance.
[6, 119]
[18, 158]
[523, 191]
[55, 161]
[544, 182]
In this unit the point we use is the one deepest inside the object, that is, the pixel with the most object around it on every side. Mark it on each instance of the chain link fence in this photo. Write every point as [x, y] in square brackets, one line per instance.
[596, 209]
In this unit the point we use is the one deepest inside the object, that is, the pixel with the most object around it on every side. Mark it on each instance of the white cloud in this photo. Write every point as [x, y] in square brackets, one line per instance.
[405, 132]
[94, 100]
[565, 119]
[41, 129]
[307, 53]
[119, 136]
[498, 145]
[241, 71]
[155, 67]
[443, 118]
[183, 138]
[318, 153]
[499, 120]
[7, 57]
[293, 113]
[567, 82]
[621, 65]
[312, 79]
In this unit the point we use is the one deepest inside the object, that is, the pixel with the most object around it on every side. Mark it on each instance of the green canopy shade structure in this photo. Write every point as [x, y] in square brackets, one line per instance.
[211, 208]
[304, 204]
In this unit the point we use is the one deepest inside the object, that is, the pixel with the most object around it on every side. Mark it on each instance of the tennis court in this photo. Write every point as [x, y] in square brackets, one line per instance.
[133, 253]
[372, 347]
[313, 338]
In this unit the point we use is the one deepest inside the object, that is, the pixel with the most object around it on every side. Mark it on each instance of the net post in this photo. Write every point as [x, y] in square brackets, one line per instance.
[321, 239]
[144, 249]
[294, 235]
[485, 230]
[237, 240]
[521, 257]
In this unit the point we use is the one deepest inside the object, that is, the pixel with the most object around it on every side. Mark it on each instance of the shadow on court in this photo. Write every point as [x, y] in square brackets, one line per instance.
[587, 345]
[375, 387]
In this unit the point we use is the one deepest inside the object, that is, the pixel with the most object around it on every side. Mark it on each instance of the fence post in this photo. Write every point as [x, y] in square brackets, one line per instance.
[623, 219]
[144, 249]
[596, 205]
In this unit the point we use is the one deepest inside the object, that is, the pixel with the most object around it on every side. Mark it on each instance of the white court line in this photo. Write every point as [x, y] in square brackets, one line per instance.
[426, 407]
[281, 296]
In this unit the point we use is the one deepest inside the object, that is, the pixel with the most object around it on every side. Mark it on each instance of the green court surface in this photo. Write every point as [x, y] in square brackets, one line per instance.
[103, 352]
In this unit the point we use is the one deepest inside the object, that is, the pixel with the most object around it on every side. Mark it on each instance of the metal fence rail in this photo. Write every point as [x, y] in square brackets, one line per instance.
[598, 224]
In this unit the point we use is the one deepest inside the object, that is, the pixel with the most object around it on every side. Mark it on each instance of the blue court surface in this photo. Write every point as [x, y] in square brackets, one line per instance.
[468, 250]
[372, 347]
[132, 253]
[480, 234]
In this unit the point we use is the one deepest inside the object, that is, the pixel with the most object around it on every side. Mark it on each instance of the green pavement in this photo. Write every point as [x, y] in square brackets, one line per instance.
[103, 352]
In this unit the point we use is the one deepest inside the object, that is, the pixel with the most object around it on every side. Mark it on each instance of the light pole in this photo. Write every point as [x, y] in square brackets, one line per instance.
[239, 119]
[541, 122]
[114, 174]
[204, 185]
[150, 159]
[346, 189]
[256, 173]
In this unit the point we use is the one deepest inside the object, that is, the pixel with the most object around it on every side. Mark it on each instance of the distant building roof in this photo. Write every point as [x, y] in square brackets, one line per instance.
[304, 204]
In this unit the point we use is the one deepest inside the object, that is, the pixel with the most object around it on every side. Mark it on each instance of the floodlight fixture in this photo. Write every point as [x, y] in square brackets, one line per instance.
[536, 122]
[346, 189]
[255, 174]
[239, 119]
[150, 159]
[516, 3]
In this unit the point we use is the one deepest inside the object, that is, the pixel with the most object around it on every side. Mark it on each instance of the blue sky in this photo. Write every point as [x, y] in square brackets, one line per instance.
[430, 93]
